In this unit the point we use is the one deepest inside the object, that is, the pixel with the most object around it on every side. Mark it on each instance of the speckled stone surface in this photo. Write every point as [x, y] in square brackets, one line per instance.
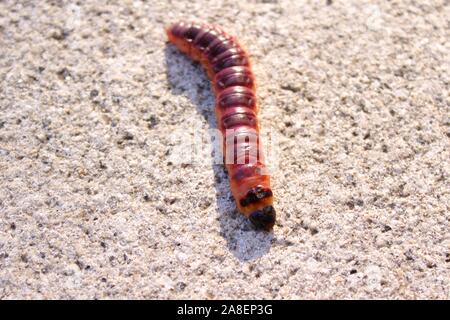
[92, 207]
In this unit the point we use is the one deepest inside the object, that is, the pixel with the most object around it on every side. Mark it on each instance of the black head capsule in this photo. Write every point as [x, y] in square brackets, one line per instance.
[264, 218]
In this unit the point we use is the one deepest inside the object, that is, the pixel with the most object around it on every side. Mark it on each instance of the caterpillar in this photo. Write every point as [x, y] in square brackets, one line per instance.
[228, 66]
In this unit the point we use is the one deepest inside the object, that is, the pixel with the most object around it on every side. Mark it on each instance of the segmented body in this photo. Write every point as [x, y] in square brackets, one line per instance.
[228, 66]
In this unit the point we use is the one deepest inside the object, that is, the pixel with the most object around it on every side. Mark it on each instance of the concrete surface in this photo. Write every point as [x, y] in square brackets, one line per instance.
[92, 207]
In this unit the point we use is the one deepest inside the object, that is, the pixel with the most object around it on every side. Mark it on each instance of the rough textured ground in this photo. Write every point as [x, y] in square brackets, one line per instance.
[92, 206]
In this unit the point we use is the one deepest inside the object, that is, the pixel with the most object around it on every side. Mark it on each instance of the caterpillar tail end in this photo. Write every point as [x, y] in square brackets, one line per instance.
[264, 218]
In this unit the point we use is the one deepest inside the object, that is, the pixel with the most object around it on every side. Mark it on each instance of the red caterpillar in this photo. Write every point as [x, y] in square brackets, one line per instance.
[228, 66]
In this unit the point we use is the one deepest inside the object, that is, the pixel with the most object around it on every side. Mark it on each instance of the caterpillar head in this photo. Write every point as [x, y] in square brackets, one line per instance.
[264, 218]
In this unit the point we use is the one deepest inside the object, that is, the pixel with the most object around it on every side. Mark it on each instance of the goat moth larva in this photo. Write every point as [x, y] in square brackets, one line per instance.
[228, 67]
